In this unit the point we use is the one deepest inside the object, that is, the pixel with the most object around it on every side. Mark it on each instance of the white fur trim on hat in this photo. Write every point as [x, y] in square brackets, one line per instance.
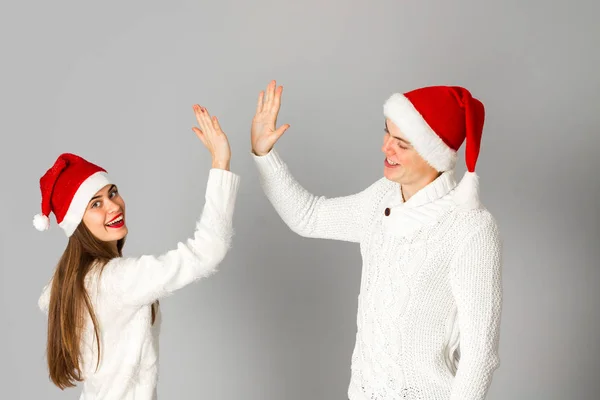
[418, 132]
[82, 197]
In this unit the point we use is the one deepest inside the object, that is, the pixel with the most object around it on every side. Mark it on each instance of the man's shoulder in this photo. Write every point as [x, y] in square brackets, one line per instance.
[377, 192]
[381, 187]
[475, 219]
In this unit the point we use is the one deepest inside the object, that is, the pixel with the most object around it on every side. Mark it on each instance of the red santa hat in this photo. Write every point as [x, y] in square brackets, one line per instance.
[67, 188]
[436, 120]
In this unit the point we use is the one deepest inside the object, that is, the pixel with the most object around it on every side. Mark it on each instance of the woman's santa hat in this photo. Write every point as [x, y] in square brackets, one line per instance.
[67, 187]
[437, 120]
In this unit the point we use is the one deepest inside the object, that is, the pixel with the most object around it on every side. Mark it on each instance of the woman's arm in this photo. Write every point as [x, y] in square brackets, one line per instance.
[139, 281]
[142, 280]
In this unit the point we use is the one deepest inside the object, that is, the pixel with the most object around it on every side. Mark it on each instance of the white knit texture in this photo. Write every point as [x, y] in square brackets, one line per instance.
[430, 298]
[123, 293]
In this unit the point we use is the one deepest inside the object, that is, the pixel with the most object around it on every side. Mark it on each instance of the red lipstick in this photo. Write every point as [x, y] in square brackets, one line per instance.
[118, 224]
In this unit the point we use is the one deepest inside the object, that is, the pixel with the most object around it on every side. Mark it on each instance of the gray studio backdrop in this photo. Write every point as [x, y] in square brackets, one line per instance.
[115, 82]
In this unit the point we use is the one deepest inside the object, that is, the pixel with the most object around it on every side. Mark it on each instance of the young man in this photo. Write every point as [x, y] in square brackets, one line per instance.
[431, 293]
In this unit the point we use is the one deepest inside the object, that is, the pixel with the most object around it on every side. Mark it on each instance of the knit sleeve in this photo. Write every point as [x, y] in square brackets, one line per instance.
[477, 287]
[339, 218]
[142, 280]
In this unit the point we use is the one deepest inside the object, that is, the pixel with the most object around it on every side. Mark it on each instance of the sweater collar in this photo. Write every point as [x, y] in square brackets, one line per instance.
[437, 189]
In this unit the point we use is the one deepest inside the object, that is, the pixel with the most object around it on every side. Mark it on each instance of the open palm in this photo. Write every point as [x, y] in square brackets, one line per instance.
[264, 135]
[213, 138]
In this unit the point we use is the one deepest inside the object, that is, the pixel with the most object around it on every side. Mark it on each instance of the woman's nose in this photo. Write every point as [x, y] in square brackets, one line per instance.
[113, 207]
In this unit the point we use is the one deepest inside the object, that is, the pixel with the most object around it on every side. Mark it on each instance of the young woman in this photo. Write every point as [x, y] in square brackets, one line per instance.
[430, 299]
[102, 307]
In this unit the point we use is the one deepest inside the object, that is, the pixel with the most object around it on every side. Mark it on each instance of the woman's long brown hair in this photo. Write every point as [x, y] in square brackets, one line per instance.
[70, 304]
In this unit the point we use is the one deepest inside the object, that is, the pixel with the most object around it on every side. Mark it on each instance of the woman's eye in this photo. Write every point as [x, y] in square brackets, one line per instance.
[96, 204]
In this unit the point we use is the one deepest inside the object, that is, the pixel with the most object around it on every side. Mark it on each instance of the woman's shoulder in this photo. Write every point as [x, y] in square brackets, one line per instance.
[91, 281]
[101, 278]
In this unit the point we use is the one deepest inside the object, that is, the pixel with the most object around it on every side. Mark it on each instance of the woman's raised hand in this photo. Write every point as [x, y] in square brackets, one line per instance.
[213, 138]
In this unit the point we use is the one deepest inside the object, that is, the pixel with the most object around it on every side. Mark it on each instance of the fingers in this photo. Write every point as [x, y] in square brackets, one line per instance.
[208, 126]
[198, 114]
[216, 125]
[279, 132]
[261, 97]
[277, 100]
[200, 135]
[270, 94]
[203, 119]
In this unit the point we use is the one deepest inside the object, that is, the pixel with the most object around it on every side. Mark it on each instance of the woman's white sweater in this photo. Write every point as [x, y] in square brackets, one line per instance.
[123, 292]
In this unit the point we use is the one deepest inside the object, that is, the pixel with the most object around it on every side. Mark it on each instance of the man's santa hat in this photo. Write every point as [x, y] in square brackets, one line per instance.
[67, 187]
[436, 120]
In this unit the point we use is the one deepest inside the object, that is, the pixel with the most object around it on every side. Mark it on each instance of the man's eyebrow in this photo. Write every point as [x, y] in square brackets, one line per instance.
[396, 137]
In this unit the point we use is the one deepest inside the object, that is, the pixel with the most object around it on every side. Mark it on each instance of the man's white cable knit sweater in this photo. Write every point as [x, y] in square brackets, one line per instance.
[430, 288]
[123, 293]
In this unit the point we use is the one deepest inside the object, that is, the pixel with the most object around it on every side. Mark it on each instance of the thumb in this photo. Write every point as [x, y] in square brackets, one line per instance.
[279, 132]
[201, 136]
